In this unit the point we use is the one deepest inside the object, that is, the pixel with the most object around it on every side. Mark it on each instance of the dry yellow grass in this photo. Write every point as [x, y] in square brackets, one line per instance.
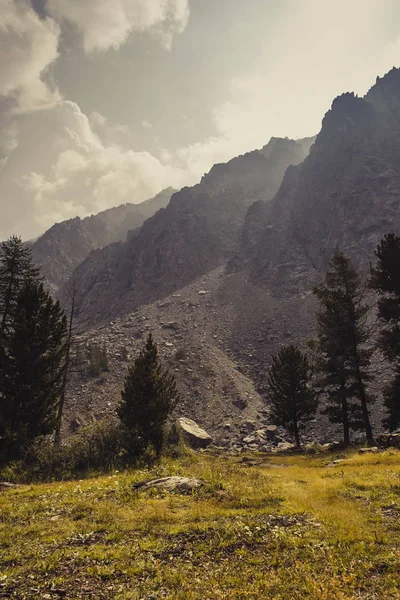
[281, 527]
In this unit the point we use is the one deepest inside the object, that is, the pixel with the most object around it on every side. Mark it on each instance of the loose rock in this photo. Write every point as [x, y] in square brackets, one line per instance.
[183, 485]
[190, 432]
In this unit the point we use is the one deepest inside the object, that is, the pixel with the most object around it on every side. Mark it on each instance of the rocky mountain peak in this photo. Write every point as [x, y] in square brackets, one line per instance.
[384, 96]
[195, 233]
[65, 245]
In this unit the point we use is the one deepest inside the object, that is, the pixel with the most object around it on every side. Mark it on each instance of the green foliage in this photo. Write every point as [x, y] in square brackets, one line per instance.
[98, 360]
[31, 353]
[342, 331]
[98, 447]
[385, 279]
[16, 268]
[293, 402]
[148, 398]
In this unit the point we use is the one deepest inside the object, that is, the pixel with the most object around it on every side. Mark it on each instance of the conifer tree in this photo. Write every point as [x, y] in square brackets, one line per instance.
[33, 369]
[342, 333]
[293, 401]
[148, 398]
[385, 279]
[16, 267]
[332, 379]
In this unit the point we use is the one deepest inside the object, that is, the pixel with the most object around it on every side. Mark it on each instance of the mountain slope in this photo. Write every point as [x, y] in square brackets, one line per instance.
[60, 249]
[346, 194]
[197, 232]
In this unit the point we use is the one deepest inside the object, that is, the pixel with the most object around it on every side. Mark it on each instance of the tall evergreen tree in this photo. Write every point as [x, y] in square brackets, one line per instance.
[293, 401]
[342, 333]
[16, 267]
[332, 379]
[385, 279]
[148, 398]
[33, 369]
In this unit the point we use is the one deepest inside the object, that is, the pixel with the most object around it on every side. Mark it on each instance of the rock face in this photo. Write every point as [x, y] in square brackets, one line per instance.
[191, 433]
[344, 195]
[197, 232]
[65, 245]
[183, 485]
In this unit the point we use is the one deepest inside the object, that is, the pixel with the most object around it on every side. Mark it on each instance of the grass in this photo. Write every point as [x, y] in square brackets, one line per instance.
[273, 527]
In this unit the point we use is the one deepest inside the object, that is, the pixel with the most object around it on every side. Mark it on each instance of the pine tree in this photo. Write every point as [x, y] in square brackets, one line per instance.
[342, 333]
[16, 268]
[293, 402]
[385, 279]
[331, 379]
[148, 398]
[33, 369]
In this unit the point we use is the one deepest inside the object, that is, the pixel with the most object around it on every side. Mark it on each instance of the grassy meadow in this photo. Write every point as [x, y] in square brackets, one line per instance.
[323, 526]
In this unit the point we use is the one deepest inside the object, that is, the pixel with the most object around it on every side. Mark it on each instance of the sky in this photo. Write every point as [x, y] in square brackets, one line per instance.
[103, 103]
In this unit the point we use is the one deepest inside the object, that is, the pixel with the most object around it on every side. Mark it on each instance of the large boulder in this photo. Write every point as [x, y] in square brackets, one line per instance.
[183, 485]
[191, 434]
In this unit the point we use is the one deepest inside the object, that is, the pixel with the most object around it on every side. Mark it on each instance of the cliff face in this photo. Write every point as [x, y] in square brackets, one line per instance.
[197, 232]
[345, 195]
[60, 249]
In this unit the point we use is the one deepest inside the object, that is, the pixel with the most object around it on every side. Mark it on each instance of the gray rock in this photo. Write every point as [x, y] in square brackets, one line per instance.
[250, 439]
[389, 440]
[283, 446]
[371, 450]
[5, 485]
[190, 432]
[183, 485]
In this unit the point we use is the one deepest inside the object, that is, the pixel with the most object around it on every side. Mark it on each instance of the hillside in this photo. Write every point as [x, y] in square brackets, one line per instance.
[345, 195]
[196, 233]
[278, 527]
[225, 270]
[60, 249]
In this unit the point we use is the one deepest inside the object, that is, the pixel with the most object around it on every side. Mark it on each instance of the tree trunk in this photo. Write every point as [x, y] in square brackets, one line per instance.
[364, 407]
[345, 415]
[296, 435]
[359, 380]
[57, 435]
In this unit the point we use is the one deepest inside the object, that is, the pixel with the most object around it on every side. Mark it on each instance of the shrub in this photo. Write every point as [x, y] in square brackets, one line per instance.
[98, 360]
[96, 447]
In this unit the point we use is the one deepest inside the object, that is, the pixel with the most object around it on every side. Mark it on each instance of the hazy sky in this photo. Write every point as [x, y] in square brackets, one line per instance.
[104, 102]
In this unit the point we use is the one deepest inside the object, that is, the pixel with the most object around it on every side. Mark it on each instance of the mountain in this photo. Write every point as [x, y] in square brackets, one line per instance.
[345, 195]
[195, 233]
[225, 271]
[60, 249]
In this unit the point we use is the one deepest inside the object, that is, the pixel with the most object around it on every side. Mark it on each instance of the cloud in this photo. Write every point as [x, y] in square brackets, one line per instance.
[28, 47]
[61, 168]
[105, 24]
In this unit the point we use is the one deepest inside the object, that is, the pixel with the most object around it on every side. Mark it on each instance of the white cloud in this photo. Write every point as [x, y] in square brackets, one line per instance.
[28, 47]
[56, 162]
[69, 171]
[105, 24]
